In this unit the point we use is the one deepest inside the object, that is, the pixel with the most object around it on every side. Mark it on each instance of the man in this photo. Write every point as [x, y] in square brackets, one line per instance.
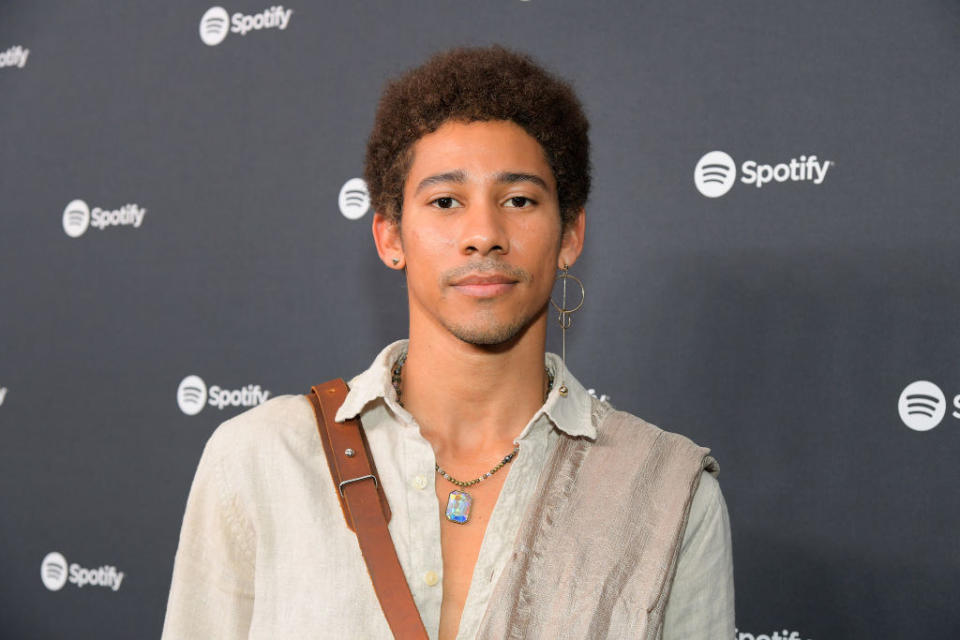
[588, 522]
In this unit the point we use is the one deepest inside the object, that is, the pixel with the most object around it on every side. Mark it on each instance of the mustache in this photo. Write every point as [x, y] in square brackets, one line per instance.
[487, 266]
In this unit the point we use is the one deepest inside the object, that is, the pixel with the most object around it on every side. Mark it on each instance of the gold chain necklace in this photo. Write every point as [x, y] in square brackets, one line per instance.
[459, 502]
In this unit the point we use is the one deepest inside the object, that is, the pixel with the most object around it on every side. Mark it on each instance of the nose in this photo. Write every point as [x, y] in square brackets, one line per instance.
[483, 231]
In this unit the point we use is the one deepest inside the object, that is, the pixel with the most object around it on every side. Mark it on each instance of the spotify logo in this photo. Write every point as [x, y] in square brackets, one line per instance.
[55, 574]
[602, 397]
[14, 57]
[76, 218]
[192, 395]
[715, 174]
[354, 199]
[216, 23]
[922, 405]
[214, 26]
[53, 571]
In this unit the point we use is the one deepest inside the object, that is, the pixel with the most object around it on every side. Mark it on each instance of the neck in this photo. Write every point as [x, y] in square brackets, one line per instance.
[472, 401]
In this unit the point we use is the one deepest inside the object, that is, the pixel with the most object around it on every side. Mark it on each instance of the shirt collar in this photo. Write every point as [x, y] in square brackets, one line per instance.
[570, 414]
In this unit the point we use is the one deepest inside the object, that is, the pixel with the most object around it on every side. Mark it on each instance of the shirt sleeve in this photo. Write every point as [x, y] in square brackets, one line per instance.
[700, 605]
[211, 594]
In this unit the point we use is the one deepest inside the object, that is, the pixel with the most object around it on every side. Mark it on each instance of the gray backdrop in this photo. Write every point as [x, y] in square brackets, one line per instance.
[779, 324]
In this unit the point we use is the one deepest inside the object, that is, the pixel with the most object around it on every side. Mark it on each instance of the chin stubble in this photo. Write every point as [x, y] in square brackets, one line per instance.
[489, 335]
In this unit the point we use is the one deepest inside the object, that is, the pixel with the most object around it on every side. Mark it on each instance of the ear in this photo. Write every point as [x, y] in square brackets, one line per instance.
[571, 242]
[386, 235]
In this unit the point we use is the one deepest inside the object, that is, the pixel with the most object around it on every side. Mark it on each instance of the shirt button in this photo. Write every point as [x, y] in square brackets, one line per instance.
[420, 482]
[431, 578]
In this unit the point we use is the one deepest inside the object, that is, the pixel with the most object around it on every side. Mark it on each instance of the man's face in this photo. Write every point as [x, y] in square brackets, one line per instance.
[481, 234]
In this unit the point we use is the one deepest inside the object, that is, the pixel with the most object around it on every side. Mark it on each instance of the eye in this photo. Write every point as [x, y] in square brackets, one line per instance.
[519, 202]
[445, 202]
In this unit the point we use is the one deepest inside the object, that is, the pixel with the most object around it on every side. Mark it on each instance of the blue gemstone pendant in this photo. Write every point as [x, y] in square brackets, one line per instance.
[458, 506]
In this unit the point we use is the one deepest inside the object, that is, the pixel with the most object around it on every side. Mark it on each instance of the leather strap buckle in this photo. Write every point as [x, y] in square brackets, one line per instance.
[372, 477]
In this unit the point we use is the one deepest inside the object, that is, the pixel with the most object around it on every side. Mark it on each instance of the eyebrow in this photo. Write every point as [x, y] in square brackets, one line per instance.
[460, 177]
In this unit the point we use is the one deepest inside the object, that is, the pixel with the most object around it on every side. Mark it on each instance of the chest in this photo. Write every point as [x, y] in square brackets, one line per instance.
[460, 546]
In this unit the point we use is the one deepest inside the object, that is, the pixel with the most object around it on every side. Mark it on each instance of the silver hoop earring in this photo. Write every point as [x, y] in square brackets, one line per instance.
[564, 318]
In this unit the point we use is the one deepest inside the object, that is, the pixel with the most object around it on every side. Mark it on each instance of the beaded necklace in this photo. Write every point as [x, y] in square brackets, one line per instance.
[459, 502]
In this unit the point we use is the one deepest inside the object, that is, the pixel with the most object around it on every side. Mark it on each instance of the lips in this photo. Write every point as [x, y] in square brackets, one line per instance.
[484, 286]
[492, 279]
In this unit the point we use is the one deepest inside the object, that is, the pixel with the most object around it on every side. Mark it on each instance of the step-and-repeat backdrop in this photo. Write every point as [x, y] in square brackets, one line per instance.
[772, 268]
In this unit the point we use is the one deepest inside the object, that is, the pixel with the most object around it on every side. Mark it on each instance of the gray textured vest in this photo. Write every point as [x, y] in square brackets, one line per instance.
[598, 547]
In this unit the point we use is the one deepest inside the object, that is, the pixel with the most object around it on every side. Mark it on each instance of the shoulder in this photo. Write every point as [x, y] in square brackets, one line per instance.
[622, 429]
[281, 420]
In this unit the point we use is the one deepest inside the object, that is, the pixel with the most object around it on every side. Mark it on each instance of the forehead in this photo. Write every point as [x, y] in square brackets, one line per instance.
[480, 149]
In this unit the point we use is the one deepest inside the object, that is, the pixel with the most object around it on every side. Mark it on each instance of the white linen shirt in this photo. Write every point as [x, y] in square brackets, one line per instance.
[264, 552]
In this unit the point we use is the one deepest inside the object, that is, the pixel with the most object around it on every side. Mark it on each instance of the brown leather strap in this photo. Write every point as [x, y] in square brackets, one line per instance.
[365, 508]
